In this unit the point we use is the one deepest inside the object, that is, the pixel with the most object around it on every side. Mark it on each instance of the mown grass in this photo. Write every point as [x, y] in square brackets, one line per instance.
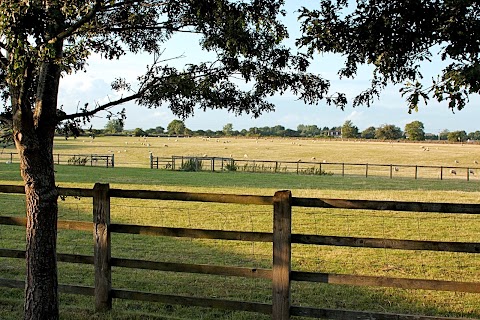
[395, 263]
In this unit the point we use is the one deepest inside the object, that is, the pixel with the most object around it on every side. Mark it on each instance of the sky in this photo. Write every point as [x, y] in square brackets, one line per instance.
[93, 86]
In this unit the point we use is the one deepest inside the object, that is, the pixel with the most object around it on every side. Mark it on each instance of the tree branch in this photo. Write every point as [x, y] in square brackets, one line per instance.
[74, 27]
[120, 4]
[6, 118]
[3, 61]
[100, 108]
[151, 28]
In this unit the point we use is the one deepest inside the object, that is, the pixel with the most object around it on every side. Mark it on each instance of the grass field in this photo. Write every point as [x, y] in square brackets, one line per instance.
[395, 263]
[134, 151]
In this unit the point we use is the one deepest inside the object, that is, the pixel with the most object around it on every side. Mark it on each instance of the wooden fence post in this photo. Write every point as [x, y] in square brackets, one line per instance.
[102, 251]
[282, 249]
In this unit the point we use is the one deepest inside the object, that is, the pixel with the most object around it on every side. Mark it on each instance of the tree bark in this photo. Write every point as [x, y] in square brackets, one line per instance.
[41, 300]
[33, 131]
[33, 135]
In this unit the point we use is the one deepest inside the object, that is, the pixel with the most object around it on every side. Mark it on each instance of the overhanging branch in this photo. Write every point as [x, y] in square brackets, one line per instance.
[100, 108]
[150, 28]
[121, 4]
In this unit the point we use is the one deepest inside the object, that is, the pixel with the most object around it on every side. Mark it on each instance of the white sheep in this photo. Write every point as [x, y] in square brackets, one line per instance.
[453, 171]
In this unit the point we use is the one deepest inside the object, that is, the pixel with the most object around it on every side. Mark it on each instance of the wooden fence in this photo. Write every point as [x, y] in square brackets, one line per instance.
[194, 163]
[281, 236]
[104, 160]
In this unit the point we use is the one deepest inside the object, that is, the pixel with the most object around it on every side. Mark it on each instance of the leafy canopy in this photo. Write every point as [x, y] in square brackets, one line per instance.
[395, 37]
[349, 130]
[415, 130]
[245, 37]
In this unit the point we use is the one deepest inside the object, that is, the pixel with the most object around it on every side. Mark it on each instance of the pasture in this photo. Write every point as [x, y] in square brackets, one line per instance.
[131, 173]
[134, 151]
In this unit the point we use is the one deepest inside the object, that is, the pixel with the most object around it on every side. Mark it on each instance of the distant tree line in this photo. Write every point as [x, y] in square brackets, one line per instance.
[414, 131]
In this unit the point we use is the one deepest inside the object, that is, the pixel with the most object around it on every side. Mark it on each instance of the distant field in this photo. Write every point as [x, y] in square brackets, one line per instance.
[134, 151]
[135, 175]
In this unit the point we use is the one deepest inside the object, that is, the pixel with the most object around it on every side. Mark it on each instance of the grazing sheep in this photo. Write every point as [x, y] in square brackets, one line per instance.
[165, 145]
[324, 161]
[245, 155]
[475, 161]
[313, 158]
[396, 168]
[471, 171]
[456, 161]
[8, 162]
[453, 171]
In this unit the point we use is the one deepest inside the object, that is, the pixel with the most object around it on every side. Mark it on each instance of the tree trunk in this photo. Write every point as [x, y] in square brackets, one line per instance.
[33, 132]
[41, 300]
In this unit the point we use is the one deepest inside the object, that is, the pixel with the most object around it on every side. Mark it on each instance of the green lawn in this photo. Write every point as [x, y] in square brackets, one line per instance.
[394, 263]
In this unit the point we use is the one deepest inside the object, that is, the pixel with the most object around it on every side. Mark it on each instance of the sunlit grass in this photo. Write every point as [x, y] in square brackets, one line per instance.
[359, 223]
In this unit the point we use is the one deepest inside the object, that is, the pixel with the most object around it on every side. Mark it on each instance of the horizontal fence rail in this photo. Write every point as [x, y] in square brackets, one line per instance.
[280, 274]
[222, 164]
[101, 160]
[310, 167]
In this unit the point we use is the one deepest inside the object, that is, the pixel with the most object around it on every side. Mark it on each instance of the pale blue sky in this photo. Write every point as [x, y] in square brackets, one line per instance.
[94, 85]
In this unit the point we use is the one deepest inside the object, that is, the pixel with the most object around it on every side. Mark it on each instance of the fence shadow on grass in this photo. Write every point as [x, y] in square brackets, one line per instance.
[223, 252]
